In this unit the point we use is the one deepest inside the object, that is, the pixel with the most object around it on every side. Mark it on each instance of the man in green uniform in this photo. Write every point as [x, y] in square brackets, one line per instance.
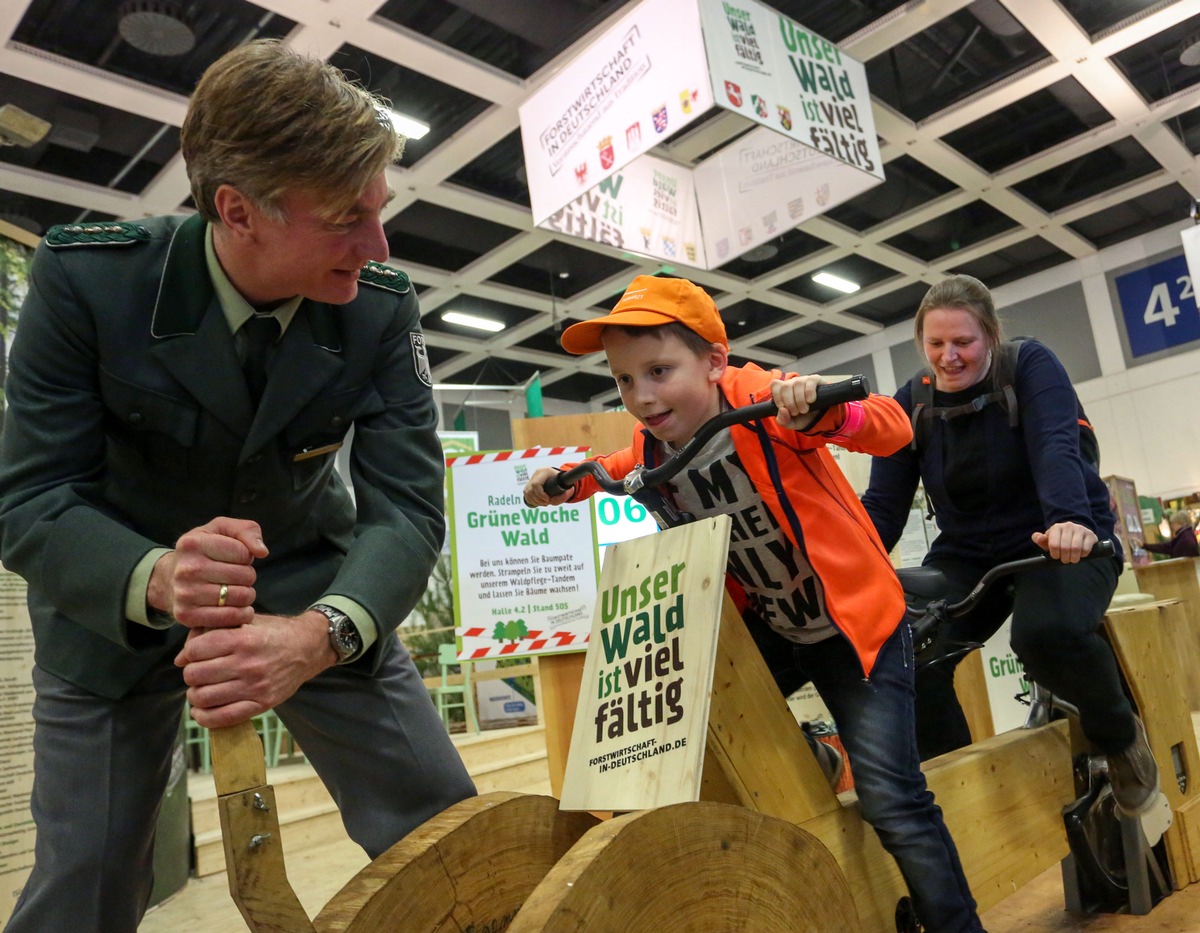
[177, 391]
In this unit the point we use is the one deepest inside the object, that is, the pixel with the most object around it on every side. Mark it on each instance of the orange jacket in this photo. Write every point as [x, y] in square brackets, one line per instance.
[812, 501]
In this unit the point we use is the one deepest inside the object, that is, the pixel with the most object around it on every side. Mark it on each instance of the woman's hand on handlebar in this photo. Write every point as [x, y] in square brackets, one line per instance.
[794, 397]
[535, 492]
[1068, 542]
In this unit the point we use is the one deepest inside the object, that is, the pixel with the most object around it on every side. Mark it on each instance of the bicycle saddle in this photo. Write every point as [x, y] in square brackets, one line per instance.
[922, 582]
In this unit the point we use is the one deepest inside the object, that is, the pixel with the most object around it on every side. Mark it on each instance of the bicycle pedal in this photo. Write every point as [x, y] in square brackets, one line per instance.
[1158, 819]
[906, 917]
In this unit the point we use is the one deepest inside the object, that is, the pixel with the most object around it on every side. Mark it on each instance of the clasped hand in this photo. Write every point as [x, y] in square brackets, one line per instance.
[795, 397]
[237, 663]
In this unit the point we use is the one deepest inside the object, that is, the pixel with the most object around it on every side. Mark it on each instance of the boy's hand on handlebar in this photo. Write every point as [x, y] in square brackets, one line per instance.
[794, 397]
[1068, 542]
[535, 492]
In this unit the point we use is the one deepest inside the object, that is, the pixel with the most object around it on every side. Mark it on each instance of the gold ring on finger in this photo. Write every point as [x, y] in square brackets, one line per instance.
[223, 595]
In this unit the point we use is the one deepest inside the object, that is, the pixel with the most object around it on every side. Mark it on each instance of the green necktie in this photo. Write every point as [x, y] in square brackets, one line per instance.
[261, 331]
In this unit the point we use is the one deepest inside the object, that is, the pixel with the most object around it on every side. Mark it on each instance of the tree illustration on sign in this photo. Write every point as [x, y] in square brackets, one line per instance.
[513, 630]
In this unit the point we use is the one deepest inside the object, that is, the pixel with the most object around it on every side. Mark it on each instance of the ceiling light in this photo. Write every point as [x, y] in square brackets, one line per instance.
[158, 27]
[18, 218]
[470, 320]
[761, 253]
[1189, 54]
[830, 280]
[406, 126]
[18, 128]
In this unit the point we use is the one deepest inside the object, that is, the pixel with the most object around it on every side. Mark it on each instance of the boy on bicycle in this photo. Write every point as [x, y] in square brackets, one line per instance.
[802, 548]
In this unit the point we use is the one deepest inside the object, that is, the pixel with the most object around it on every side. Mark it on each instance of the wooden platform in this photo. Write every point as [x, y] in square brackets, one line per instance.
[500, 759]
[320, 869]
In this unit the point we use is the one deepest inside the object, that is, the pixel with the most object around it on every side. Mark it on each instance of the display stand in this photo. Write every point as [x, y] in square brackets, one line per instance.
[561, 672]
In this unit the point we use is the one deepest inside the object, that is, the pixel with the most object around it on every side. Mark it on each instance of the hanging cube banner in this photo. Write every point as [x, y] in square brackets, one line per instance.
[588, 132]
[637, 84]
[524, 578]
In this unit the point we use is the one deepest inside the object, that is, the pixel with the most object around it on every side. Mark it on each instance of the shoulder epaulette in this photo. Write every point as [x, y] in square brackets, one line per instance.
[381, 276]
[117, 233]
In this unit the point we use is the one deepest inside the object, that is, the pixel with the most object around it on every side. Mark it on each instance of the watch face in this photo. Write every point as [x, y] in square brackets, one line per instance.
[343, 636]
[347, 636]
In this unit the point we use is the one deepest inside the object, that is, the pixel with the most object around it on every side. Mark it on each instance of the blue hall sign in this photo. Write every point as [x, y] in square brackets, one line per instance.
[1159, 306]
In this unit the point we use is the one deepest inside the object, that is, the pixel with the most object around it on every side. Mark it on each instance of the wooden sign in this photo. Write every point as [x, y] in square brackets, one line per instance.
[642, 717]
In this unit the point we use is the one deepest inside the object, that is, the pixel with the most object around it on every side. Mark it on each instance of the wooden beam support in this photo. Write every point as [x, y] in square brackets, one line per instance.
[1143, 639]
[250, 830]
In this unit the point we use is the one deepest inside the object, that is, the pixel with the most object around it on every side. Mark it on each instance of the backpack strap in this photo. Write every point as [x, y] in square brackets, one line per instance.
[920, 387]
[1006, 376]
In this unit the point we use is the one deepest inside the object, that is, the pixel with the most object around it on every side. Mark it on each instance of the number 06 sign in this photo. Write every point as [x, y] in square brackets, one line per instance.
[620, 518]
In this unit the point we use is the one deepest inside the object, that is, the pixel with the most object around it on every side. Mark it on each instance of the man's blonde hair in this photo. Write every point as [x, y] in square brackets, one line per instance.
[267, 120]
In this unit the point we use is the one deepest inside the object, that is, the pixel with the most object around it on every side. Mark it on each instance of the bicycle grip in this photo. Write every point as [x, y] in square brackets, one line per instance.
[851, 389]
[554, 487]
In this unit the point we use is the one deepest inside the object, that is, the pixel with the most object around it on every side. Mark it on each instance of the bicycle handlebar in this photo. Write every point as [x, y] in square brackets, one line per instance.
[828, 394]
[1100, 549]
[927, 621]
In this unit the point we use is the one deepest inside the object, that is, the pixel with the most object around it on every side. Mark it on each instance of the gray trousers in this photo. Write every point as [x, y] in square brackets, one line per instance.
[101, 768]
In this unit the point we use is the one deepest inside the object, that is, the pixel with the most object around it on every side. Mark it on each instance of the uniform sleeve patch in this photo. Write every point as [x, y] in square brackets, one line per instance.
[381, 276]
[421, 359]
[123, 233]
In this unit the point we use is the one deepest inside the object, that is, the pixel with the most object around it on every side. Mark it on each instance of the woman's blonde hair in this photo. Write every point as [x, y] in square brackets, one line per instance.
[965, 293]
[267, 120]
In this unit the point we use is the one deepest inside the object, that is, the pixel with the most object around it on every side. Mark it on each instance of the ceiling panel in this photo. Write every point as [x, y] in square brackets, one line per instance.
[1016, 135]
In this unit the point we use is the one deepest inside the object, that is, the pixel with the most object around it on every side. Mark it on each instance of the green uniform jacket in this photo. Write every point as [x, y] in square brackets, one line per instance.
[129, 423]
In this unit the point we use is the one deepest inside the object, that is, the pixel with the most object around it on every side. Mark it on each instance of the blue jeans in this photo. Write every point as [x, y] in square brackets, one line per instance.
[876, 724]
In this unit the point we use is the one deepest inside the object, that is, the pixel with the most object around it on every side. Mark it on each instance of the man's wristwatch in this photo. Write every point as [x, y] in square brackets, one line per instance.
[343, 636]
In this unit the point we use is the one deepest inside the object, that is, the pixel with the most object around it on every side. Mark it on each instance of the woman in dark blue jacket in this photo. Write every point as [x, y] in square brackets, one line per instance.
[1183, 542]
[1004, 475]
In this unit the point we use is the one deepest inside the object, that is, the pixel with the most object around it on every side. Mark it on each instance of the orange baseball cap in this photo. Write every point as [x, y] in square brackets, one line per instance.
[650, 301]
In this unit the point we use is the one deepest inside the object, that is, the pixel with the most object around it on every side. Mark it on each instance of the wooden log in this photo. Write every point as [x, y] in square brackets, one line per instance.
[469, 868]
[692, 866]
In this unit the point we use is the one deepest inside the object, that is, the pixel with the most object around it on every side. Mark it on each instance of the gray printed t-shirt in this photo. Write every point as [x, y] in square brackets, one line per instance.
[778, 580]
